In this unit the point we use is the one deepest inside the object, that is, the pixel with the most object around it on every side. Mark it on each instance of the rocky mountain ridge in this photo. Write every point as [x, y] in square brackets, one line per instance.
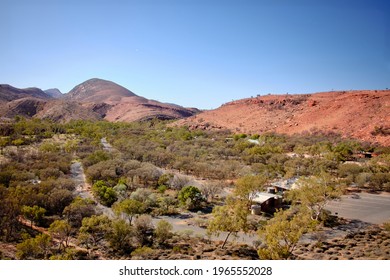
[91, 100]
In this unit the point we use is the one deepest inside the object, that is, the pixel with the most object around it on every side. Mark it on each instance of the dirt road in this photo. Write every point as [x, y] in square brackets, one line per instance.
[366, 207]
[83, 189]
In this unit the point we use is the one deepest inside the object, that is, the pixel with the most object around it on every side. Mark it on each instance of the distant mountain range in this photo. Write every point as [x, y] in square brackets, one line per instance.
[91, 100]
[361, 114]
[10, 93]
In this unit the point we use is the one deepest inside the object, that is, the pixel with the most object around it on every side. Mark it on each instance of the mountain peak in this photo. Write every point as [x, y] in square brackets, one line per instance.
[97, 90]
[54, 92]
[93, 99]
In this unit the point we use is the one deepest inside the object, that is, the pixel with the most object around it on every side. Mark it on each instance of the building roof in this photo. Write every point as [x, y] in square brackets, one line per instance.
[262, 197]
[286, 184]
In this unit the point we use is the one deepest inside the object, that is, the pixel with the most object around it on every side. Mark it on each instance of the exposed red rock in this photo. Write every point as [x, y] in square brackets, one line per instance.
[362, 114]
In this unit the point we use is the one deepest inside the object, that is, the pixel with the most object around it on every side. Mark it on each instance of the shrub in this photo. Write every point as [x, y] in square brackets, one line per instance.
[239, 136]
[78, 210]
[34, 248]
[34, 213]
[120, 236]
[163, 231]
[145, 196]
[162, 188]
[143, 230]
[106, 195]
[190, 197]
[387, 226]
[142, 253]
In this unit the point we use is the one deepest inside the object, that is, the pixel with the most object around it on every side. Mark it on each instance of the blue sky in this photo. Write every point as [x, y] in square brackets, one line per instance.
[197, 53]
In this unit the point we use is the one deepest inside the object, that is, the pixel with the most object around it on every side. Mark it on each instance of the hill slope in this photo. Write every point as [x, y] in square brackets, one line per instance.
[98, 91]
[10, 93]
[65, 111]
[24, 102]
[357, 114]
[92, 100]
[116, 103]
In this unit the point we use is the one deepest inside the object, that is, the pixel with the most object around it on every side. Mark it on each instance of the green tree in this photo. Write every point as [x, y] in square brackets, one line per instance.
[34, 213]
[94, 229]
[130, 208]
[145, 196]
[95, 157]
[190, 197]
[248, 186]
[120, 236]
[342, 151]
[231, 218]
[106, 195]
[281, 234]
[314, 193]
[78, 210]
[34, 248]
[9, 213]
[61, 230]
[58, 199]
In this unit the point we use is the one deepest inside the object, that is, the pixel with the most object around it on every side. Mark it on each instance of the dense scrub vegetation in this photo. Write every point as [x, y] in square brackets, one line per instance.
[154, 169]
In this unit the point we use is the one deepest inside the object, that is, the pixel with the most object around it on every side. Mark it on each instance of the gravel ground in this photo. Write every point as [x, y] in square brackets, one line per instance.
[369, 208]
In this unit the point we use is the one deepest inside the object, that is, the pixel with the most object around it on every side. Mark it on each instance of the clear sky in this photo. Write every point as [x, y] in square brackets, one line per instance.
[197, 53]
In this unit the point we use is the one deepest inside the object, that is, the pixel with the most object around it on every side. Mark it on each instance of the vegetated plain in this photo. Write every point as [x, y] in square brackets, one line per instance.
[146, 182]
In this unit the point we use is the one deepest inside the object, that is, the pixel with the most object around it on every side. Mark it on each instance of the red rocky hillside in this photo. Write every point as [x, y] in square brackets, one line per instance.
[361, 114]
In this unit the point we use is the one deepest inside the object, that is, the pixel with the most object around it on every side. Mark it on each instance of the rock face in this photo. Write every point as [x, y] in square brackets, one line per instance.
[362, 114]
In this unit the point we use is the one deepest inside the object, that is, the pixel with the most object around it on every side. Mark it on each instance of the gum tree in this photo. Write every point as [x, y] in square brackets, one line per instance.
[231, 218]
[281, 234]
[314, 193]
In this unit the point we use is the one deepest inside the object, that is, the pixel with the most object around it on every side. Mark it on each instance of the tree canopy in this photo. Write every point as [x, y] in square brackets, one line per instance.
[281, 234]
[230, 218]
[314, 193]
